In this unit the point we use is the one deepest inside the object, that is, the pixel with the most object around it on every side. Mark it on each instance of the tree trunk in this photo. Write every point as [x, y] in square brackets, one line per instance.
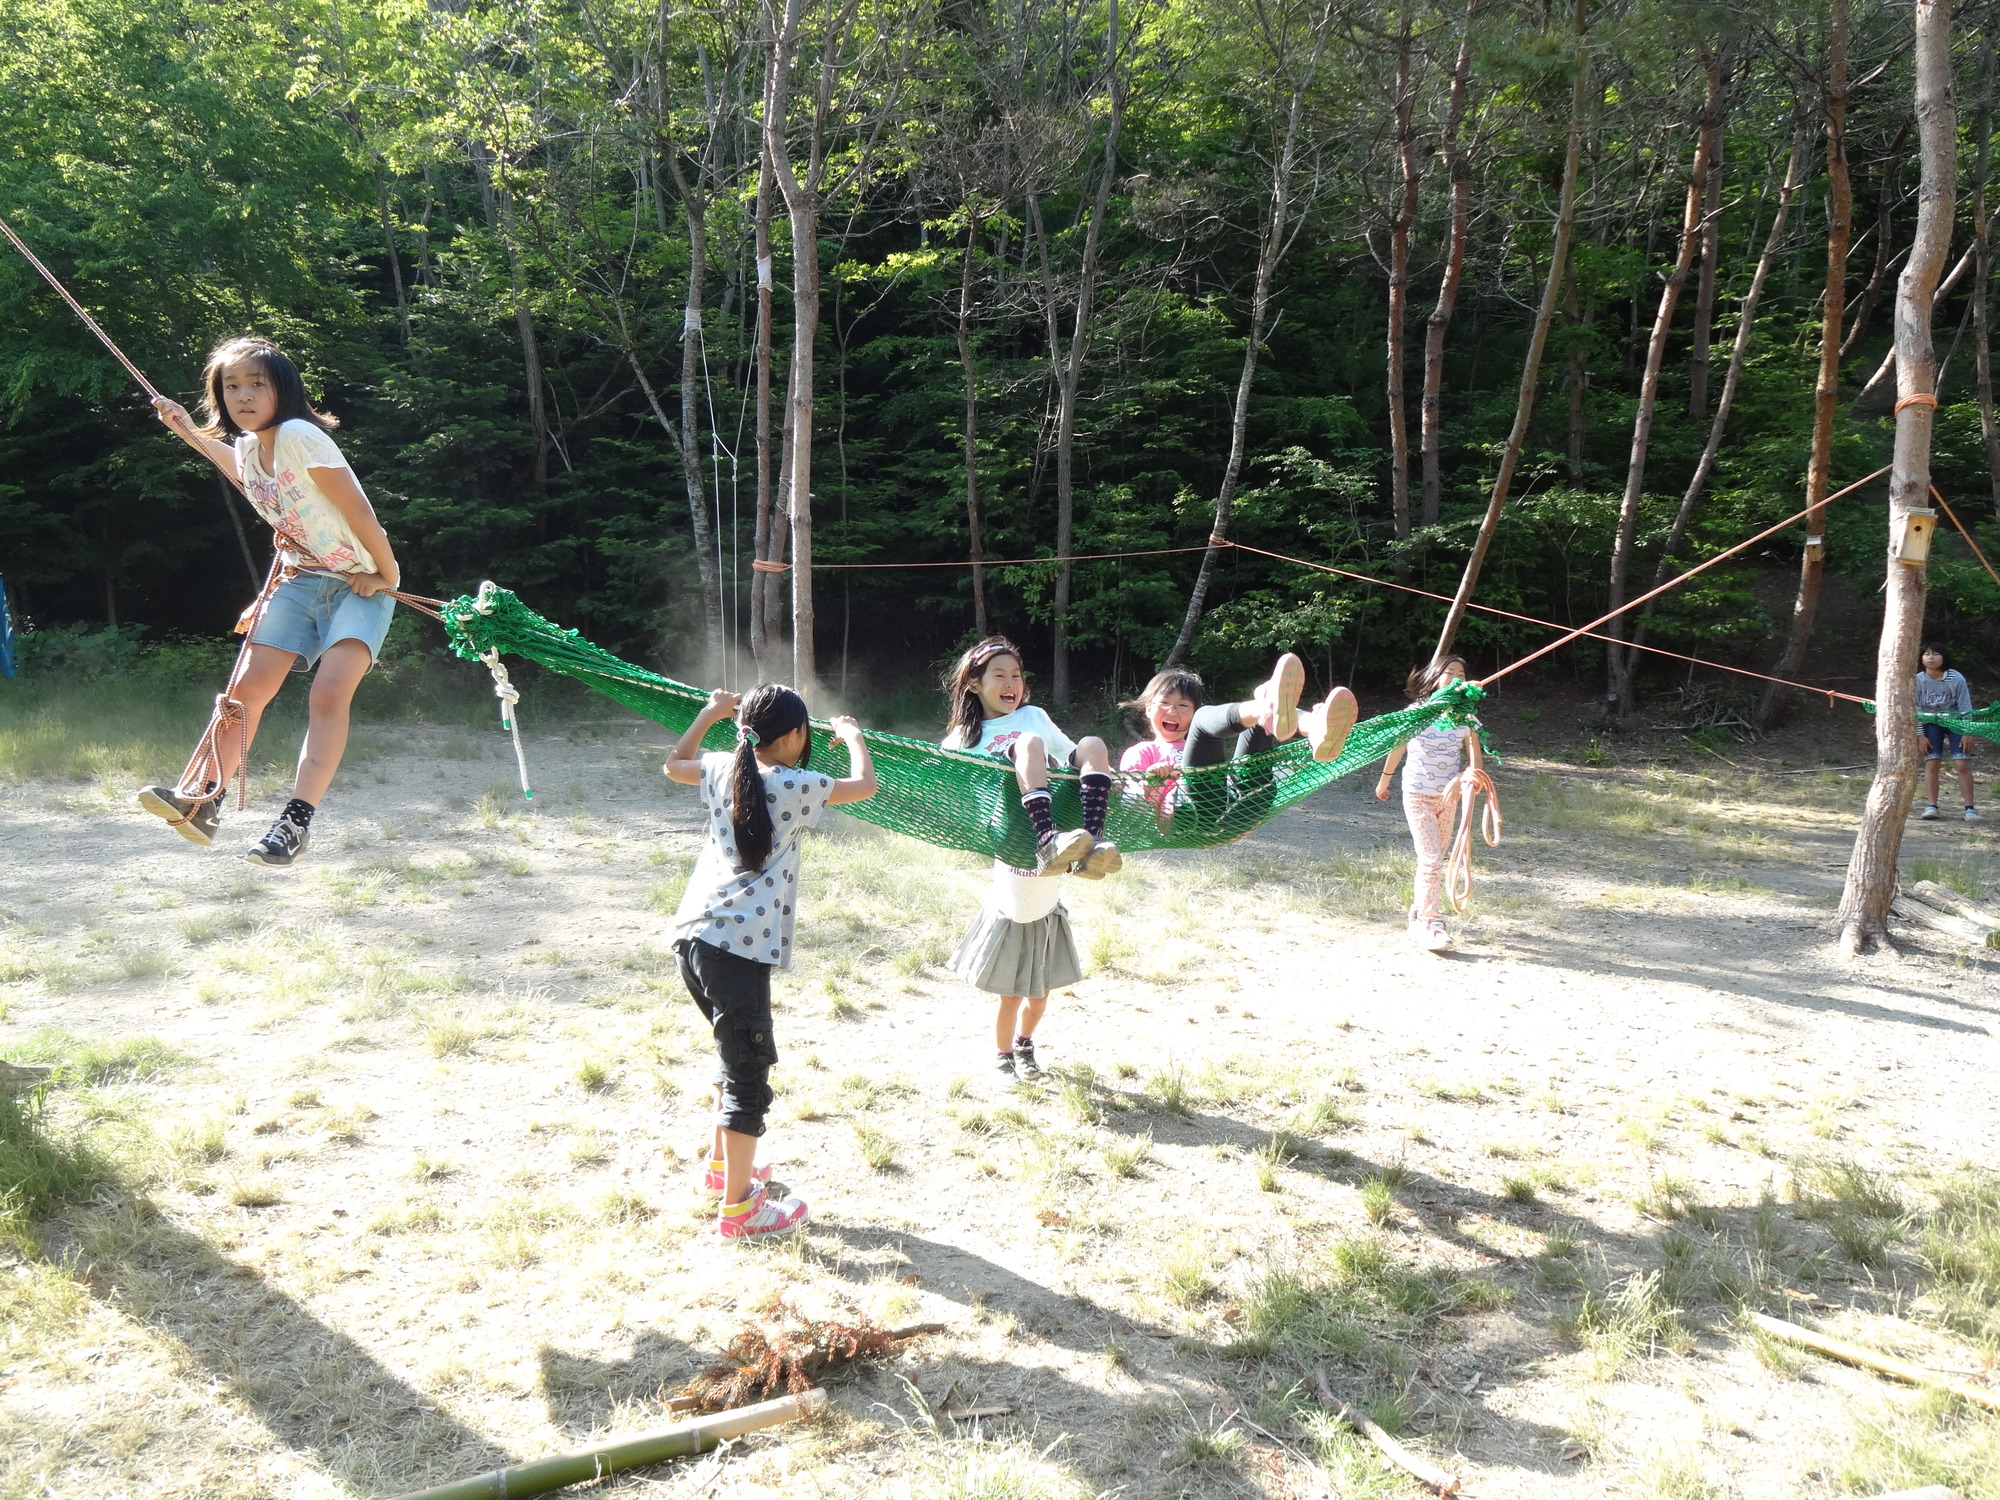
[1072, 365]
[1871, 872]
[1826, 392]
[1711, 251]
[389, 244]
[802, 211]
[1885, 211]
[1982, 348]
[499, 207]
[1619, 661]
[763, 585]
[1745, 322]
[973, 551]
[1269, 253]
[1458, 173]
[708, 560]
[1524, 406]
[1577, 376]
[1399, 285]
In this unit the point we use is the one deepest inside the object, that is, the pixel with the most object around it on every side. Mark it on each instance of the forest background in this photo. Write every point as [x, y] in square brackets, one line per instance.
[1039, 277]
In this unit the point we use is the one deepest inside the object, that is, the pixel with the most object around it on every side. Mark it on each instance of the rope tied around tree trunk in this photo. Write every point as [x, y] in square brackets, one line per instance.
[1921, 398]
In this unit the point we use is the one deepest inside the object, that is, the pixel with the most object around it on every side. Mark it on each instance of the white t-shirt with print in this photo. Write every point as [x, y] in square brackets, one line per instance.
[750, 912]
[1022, 895]
[1435, 755]
[297, 509]
[997, 736]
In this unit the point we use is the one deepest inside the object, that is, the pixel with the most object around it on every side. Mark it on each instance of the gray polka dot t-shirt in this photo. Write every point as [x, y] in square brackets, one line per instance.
[749, 912]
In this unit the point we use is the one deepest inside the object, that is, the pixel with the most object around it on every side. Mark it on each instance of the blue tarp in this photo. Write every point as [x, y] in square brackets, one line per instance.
[6, 634]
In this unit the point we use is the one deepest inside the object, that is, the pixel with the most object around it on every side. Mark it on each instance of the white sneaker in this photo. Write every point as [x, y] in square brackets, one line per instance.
[1972, 815]
[1436, 938]
[1929, 812]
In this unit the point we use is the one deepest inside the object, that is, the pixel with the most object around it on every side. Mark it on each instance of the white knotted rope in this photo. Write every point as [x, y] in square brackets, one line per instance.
[509, 696]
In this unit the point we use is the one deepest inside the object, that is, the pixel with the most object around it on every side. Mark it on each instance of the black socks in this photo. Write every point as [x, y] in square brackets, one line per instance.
[298, 812]
[1036, 805]
[1094, 789]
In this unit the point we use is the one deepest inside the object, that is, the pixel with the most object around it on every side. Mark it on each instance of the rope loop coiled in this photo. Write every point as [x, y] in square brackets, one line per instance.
[1472, 784]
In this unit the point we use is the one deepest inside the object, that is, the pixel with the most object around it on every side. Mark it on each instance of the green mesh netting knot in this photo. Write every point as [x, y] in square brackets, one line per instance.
[958, 799]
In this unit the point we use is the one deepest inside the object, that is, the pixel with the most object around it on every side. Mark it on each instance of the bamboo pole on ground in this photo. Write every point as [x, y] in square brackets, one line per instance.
[587, 1464]
[1881, 1364]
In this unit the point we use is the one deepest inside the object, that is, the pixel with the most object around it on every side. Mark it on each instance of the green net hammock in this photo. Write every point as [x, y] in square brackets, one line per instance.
[960, 799]
[1983, 722]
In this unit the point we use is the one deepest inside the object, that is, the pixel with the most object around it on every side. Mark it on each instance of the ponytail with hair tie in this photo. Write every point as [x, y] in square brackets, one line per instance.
[765, 715]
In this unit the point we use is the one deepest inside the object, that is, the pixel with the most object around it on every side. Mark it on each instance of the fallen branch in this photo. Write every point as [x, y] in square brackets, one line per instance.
[1912, 910]
[587, 1464]
[1945, 899]
[1441, 1480]
[1868, 1359]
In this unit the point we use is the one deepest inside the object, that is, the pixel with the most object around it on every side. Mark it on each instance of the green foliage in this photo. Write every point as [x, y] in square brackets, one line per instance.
[421, 201]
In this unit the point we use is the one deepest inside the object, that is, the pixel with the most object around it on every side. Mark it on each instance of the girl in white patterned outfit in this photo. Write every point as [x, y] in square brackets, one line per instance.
[1435, 758]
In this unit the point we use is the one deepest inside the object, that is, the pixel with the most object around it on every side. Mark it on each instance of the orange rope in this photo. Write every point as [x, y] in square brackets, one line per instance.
[1473, 783]
[1508, 614]
[1962, 531]
[1674, 583]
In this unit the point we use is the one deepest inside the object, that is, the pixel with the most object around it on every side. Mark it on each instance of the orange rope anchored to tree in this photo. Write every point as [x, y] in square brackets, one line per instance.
[1674, 583]
[204, 767]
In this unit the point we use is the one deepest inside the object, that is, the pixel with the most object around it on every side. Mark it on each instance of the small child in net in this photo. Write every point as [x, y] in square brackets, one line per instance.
[1187, 735]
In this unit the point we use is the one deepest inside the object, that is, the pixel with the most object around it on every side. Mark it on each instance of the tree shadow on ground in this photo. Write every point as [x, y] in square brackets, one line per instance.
[314, 1388]
[1645, 958]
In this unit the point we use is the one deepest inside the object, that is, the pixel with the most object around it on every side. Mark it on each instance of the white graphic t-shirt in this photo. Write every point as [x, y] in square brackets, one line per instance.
[1434, 757]
[298, 511]
[750, 912]
[997, 736]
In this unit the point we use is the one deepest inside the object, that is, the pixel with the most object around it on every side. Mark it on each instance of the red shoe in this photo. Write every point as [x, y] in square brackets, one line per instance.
[768, 1218]
[712, 1181]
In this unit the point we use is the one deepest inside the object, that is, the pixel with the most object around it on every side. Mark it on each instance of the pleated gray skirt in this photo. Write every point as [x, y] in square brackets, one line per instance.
[1005, 957]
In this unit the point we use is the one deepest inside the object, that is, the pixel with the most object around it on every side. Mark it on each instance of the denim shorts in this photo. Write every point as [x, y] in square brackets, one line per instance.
[314, 610]
[1940, 740]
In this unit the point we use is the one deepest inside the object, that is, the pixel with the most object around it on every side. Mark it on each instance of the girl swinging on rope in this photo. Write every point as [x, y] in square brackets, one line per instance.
[338, 573]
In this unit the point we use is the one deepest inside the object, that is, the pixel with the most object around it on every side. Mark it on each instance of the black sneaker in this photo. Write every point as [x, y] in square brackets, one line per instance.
[1025, 1065]
[1003, 1071]
[194, 821]
[282, 845]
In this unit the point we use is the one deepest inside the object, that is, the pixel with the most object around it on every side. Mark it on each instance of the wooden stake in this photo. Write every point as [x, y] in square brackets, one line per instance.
[1881, 1364]
[1442, 1480]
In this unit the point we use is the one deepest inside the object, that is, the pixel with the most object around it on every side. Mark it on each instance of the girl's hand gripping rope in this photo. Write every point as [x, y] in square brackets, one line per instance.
[509, 695]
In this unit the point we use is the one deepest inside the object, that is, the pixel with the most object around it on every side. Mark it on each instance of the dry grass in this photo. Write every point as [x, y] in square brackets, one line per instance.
[450, 1171]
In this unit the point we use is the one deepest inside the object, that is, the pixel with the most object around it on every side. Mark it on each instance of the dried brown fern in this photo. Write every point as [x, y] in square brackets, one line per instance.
[766, 1361]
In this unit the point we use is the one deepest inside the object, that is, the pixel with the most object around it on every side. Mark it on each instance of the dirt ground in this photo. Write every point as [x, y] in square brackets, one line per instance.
[407, 1185]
